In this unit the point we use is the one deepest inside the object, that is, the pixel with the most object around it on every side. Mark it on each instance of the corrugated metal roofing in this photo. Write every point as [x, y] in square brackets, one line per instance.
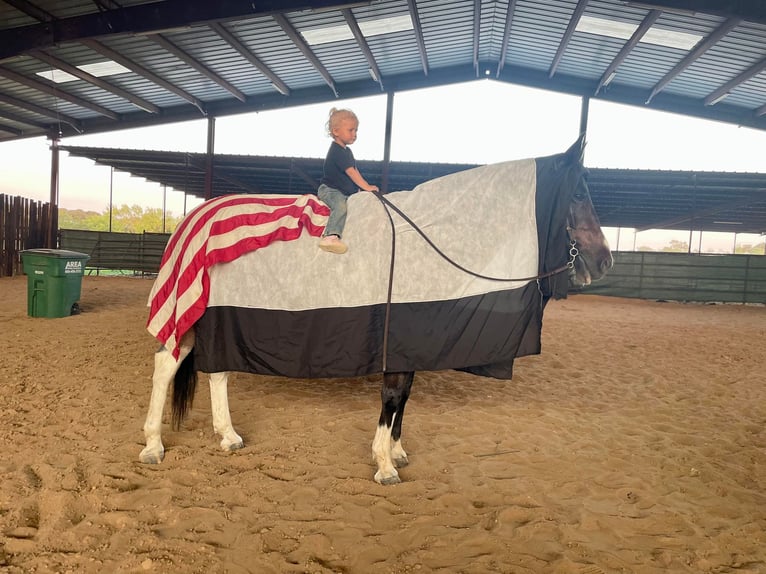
[623, 198]
[191, 58]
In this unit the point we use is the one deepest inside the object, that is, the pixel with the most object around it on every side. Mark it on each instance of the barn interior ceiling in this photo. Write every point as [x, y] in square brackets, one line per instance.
[88, 66]
[85, 66]
[641, 199]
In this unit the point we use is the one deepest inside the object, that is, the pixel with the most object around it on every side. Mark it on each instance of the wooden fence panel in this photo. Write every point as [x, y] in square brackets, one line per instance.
[23, 225]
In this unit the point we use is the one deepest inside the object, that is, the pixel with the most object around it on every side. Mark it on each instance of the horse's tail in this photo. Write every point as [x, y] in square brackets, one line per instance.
[184, 386]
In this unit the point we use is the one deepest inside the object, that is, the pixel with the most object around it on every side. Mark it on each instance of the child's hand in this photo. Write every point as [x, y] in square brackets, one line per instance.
[373, 188]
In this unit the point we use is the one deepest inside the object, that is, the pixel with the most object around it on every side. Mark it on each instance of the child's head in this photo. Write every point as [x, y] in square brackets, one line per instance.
[336, 119]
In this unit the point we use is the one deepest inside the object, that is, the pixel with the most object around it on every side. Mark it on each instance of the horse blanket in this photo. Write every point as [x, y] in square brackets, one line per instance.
[285, 307]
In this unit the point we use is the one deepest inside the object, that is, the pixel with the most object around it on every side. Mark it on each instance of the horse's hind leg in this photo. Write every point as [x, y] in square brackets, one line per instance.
[165, 367]
[387, 448]
[219, 402]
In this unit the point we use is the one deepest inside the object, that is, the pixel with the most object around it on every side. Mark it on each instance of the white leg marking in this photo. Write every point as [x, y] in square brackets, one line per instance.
[398, 455]
[165, 366]
[219, 401]
[381, 453]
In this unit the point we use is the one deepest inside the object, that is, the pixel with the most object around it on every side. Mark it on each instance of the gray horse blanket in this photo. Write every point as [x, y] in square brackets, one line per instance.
[246, 273]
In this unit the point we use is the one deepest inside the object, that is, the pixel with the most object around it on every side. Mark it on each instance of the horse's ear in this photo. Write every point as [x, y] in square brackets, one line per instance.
[577, 150]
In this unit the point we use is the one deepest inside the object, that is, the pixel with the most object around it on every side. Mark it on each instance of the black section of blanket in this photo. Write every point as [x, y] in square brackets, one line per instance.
[482, 334]
[556, 180]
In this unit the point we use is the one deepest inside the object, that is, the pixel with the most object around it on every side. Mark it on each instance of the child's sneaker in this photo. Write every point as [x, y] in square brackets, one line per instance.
[332, 244]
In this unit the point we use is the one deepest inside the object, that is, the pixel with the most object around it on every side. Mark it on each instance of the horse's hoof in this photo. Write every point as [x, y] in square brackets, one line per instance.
[231, 445]
[386, 480]
[235, 446]
[401, 462]
[151, 457]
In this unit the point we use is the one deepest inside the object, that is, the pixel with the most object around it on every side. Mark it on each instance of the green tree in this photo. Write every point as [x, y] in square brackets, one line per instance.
[125, 219]
[746, 248]
[677, 246]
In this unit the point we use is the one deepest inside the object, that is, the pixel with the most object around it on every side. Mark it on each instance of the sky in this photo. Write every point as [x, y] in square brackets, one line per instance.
[483, 121]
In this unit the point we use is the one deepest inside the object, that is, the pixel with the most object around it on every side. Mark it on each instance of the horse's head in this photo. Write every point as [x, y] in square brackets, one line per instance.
[592, 256]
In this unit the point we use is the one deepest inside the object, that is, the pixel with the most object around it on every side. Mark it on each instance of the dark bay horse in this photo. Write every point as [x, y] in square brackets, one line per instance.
[539, 237]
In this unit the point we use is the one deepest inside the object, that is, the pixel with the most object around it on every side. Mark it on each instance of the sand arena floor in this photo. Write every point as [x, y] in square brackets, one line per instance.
[634, 444]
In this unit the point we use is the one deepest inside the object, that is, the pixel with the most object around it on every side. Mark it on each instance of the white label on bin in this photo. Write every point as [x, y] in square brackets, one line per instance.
[73, 267]
[38, 272]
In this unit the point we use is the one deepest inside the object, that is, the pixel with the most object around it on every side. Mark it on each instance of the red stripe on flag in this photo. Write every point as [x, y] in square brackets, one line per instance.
[202, 224]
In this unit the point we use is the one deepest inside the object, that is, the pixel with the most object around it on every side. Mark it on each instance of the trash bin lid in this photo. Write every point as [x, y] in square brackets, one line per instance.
[57, 253]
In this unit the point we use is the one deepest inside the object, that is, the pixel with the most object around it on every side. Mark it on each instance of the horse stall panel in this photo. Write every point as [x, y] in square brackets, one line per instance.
[120, 251]
[23, 225]
[685, 277]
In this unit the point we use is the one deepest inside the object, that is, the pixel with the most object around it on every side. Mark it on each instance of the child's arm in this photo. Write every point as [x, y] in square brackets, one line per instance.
[357, 178]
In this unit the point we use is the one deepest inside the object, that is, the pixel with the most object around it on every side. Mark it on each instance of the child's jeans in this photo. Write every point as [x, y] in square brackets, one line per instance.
[336, 201]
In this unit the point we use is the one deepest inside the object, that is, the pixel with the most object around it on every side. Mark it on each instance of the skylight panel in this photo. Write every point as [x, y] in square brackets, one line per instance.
[98, 69]
[624, 30]
[369, 28]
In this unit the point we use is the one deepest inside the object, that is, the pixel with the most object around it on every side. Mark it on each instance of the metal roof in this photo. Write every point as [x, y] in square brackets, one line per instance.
[186, 59]
[642, 199]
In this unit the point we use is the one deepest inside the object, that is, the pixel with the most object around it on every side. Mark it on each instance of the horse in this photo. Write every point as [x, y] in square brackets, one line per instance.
[267, 300]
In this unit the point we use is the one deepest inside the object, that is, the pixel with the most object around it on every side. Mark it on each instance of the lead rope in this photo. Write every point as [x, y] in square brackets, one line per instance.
[573, 253]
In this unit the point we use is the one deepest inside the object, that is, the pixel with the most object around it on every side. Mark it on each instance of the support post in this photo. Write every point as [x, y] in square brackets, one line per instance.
[387, 142]
[584, 109]
[210, 157]
[53, 223]
[111, 197]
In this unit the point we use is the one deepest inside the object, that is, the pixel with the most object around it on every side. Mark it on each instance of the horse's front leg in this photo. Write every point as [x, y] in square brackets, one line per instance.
[387, 448]
[219, 402]
[165, 367]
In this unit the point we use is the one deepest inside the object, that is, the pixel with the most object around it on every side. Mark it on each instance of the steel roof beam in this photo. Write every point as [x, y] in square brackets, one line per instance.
[516, 75]
[220, 174]
[418, 28]
[22, 120]
[41, 111]
[576, 15]
[701, 47]
[31, 10]
[141, 71]
[300, 43]
[142, 18]
[243, 50]
[723, 91]
[8, 129]
[727, 205]
[313, 183]
[635, 38]
[91, 79]
[506, 35]
[57, 93]
[196, 64]
[476, 33]
[362, 42]
[751, 10]
[107, 4]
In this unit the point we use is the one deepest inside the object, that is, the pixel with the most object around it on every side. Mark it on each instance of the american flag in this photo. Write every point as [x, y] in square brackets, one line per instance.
[219, 231]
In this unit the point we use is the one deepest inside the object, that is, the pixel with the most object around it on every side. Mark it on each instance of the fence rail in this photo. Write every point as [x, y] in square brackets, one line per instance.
[644, 275]
[140, 252]
[686, 277]
[23, 225]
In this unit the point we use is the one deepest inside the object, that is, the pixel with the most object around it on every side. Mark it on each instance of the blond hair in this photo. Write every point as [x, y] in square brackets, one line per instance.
[336, 117]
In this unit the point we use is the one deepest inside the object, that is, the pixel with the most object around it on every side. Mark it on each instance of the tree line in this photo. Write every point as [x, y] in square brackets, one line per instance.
[124, 219]
[137, 219]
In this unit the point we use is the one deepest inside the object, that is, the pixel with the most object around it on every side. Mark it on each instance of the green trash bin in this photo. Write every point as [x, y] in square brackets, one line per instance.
[54, 281]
